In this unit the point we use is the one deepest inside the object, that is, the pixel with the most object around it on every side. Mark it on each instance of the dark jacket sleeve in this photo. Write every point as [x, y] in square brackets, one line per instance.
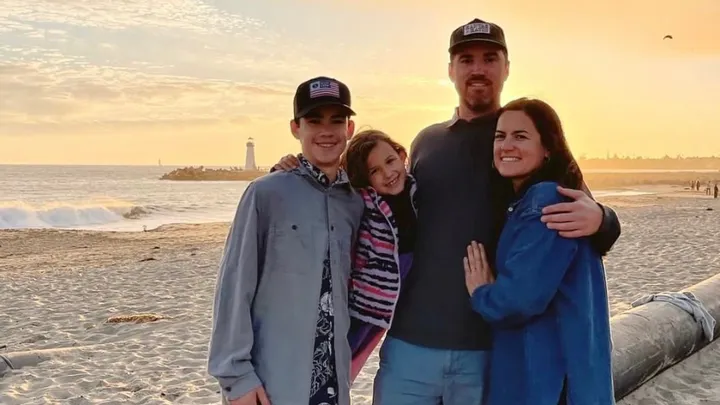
[609, 232]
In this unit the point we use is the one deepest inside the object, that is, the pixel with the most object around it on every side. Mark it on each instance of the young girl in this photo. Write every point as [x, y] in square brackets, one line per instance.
[375, 165]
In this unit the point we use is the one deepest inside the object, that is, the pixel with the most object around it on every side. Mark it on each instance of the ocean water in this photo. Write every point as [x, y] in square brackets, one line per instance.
[119, 198]
[123, 198]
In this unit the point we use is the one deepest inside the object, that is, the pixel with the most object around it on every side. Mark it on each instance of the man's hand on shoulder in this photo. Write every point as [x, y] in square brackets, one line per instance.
[581, 217]
[286, 163]
[254, 397]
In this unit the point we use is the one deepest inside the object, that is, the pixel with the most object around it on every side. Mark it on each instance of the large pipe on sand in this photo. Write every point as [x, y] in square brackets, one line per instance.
[652, 337]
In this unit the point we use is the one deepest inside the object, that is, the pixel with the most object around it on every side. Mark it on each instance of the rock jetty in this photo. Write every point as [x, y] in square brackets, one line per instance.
[201, 173]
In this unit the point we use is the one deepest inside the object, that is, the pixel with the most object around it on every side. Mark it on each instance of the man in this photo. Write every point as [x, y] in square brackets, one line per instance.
[436, 348]
[280, 318]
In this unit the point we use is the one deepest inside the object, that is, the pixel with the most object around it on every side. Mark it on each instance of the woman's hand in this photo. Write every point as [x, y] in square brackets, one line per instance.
[477, 269]
[287, 163]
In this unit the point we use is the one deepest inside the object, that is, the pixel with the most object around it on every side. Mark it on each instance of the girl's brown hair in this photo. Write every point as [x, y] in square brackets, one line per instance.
[354, 160]
[560, 166]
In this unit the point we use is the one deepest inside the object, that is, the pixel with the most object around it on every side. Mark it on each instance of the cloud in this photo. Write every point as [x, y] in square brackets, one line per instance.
[72, 91]
[191, 15]
[74, 64]
[185, 34]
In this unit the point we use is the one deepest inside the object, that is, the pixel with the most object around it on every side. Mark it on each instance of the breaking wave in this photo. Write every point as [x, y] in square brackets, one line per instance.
[69, 215]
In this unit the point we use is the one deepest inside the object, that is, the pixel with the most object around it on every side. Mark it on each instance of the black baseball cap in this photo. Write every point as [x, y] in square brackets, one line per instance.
[477, 30]
[318, 92]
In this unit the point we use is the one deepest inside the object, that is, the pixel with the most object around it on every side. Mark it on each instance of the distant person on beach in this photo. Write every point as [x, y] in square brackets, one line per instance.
[716, 191]
[280, 319]
[549, 288]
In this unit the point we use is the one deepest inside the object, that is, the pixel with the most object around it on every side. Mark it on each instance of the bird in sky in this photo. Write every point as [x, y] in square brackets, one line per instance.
[668, 37]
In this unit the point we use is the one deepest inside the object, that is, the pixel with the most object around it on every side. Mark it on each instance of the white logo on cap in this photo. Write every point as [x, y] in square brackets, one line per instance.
[476, 28]
[324, 88]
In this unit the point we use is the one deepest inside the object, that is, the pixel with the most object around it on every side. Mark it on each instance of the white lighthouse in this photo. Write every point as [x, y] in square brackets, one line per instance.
[250, 155]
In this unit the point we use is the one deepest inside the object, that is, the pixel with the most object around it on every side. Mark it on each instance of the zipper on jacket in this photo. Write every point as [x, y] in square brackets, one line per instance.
[396, 256]
[329, 227]
[396, 247]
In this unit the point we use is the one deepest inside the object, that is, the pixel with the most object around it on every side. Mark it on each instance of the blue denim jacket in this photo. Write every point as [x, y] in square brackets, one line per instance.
[549, 312]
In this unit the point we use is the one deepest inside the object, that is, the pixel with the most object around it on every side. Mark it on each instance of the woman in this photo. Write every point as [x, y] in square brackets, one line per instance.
[549, 305]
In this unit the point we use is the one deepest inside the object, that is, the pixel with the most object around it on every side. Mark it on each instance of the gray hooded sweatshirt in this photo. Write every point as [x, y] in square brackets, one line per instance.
[266, 302]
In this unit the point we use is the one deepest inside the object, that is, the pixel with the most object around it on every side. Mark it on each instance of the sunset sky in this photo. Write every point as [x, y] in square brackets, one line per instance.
[188, 81]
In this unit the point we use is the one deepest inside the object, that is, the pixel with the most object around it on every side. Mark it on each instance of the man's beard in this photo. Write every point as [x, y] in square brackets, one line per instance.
[481, 104]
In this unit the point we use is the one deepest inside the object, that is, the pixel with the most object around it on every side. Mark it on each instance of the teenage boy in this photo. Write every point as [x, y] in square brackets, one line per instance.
[280, 317]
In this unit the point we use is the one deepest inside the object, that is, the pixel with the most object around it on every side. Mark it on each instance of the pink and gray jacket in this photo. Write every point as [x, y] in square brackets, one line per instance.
[376, 276]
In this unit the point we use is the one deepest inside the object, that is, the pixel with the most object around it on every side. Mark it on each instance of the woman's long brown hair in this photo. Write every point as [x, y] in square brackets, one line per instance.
[561, 166]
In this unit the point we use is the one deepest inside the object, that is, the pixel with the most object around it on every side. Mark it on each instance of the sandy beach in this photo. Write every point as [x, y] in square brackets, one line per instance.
[60, 287]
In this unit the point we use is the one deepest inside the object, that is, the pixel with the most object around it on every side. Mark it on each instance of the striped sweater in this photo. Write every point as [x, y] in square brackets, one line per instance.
[375, 278]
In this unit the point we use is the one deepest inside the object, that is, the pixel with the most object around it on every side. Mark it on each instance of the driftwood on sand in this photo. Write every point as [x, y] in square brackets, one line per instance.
[18, 360]
[135, 318]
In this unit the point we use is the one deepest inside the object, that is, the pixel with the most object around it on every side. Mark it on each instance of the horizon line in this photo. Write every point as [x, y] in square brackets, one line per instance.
[238, 164]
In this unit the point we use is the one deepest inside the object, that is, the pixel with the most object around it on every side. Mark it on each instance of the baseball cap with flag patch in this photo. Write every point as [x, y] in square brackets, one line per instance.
[318, 92]
[477, 30]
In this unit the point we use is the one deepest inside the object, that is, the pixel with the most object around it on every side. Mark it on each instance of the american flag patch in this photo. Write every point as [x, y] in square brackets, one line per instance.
[324, 88]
